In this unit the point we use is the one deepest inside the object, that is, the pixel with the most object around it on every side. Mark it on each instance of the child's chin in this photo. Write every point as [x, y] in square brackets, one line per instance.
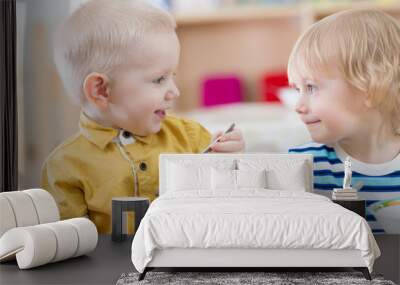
[149, 130]
[320, 139]
[155, 129]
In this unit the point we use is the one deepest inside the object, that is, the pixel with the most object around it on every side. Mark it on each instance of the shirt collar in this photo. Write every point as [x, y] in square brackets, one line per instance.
[146, 140]
[102, 136]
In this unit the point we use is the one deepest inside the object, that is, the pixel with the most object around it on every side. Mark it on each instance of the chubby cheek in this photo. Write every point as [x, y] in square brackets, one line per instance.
[129, 115]
[330, 122]
[143, 119]
[136, 110]
[336, 124]
[135, 106]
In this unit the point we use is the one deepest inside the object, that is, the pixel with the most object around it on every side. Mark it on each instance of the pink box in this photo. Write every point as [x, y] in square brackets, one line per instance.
[223, 89]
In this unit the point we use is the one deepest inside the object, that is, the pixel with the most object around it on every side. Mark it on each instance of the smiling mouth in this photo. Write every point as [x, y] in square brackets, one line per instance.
[160, 113]
[312, 122]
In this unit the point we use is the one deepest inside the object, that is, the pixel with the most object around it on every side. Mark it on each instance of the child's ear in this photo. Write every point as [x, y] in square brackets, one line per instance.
[97, 89]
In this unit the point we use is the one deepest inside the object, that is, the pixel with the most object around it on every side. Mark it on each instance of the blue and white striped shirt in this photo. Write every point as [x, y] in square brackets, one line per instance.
[380, 181]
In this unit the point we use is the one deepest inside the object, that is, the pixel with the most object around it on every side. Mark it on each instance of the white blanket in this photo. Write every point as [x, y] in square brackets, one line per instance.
[250, 219]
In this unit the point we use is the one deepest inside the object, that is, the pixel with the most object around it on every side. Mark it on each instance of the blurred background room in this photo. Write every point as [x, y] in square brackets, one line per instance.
[232, 69]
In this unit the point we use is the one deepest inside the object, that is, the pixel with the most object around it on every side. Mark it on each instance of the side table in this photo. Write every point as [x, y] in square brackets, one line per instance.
[357, 206]
[120, 205]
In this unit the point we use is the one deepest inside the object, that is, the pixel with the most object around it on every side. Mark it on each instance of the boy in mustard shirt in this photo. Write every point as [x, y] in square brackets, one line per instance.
[117, 59]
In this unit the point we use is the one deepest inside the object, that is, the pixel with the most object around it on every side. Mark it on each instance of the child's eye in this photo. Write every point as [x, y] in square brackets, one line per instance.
[159, 80]
[310, 88]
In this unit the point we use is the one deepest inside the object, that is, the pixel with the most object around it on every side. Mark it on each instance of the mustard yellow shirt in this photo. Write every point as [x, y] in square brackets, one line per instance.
[88, 169]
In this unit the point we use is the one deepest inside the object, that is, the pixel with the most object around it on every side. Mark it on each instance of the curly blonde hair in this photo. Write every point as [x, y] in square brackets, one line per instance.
[364, 46]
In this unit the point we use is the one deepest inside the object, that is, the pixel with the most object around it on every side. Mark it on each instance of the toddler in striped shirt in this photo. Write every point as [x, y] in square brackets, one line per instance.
[346, 69]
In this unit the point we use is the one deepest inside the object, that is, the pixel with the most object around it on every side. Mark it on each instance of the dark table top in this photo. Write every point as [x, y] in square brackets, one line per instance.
[104, 265]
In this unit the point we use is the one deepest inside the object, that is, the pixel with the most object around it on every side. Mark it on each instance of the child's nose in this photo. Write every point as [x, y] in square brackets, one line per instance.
[173, 92]
[301, 106]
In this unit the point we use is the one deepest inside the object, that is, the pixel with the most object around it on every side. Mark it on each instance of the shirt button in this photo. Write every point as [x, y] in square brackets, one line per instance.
[126, 134]
[143, 166]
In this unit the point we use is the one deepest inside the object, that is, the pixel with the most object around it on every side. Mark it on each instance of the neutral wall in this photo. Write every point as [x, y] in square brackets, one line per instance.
[48, 116]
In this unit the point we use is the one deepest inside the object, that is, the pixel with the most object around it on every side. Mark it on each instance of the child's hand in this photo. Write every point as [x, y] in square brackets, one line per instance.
[229, 142]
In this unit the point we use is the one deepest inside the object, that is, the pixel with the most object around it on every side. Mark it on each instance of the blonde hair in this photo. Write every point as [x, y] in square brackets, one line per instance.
[96, 36]
[364, 46]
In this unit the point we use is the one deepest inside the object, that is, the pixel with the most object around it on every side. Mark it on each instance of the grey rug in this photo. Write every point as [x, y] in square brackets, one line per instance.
[269, 278]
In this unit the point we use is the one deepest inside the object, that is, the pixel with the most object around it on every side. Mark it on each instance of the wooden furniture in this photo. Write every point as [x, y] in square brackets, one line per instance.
[247, 41]
[357, 206]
